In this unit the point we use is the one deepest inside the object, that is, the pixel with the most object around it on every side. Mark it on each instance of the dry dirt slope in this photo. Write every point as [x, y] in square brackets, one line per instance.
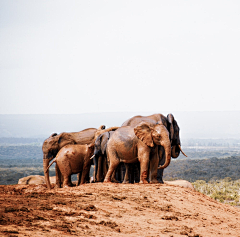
[113, 210]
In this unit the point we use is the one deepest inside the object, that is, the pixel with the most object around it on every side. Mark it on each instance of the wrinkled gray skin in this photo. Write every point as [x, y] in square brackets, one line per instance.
[171, 124]
[55, 142]
[100, 158]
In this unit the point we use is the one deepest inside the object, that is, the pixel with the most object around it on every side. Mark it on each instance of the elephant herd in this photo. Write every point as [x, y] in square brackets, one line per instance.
[138, 151]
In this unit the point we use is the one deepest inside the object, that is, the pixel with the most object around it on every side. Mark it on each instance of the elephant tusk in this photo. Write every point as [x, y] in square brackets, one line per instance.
[182, 151]
[92, 157]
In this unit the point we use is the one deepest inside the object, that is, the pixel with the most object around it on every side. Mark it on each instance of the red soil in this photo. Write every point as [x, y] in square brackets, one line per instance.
[102, 209]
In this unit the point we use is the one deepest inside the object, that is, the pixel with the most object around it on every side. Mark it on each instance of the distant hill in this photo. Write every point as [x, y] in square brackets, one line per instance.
[207, 125]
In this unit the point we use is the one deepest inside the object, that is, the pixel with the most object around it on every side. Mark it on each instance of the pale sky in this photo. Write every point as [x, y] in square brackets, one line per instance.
[72, 57]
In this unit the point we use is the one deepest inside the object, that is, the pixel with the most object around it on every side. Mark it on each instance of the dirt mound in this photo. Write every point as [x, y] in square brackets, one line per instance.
[113, 210]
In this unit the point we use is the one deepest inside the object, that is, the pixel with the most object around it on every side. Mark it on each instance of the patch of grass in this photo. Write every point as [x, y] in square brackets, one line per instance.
[225, 190]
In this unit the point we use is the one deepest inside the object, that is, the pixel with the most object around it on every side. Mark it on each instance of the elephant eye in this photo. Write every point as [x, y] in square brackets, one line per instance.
[158, 135]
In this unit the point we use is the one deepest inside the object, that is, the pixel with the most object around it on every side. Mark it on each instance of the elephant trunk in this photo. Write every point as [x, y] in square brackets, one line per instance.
[167, 148]
[46, 172]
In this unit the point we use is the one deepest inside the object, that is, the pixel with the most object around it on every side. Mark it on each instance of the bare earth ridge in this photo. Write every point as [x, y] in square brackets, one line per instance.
[107, 209]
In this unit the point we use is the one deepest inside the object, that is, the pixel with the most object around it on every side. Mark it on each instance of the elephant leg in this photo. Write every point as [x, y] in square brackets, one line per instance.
[113, 178]
[144, 164]
[114, 162]
[79, 175]
[153, 167]
[128, 170]
[87, 177]
[131, 173]
[105, 166]
[99, 171]
[85, 173]
[161, 162]
[137, 172]
[122, 171]
[58, 177]
[95, 161]
[118, 173]
[97, 168]
[66, 171]
[67, 181]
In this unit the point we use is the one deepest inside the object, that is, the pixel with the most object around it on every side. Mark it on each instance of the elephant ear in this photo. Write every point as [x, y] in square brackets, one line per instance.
[144, 132]
[98, 142]
[90, 149]
[53, 135]
[170, 119]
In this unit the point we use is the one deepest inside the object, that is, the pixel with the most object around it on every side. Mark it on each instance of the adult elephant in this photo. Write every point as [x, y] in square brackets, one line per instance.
[171, 124]
[130, 145]
[55, 142]
[100, 156]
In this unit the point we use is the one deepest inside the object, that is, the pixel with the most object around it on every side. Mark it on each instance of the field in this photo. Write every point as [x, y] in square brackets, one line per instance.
[102, 209]
[124, 209]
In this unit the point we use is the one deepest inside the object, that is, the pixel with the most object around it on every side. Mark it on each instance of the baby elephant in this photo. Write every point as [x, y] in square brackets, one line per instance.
[73, 159]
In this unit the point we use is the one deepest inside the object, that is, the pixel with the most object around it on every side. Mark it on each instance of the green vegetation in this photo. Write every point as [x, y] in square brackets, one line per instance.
[225, 190]
[10, 152]
[203, 169]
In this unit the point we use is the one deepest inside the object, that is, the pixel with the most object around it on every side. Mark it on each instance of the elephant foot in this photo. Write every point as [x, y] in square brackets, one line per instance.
[66, 186]
[154, 181]
[107, 180]
[115, 181]
[57, 186]
[125, 182]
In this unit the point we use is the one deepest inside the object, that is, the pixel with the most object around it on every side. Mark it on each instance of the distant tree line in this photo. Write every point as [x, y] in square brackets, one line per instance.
[20, 152]
[212, 142]
[20, 141]
[18, 161]
[203, 169]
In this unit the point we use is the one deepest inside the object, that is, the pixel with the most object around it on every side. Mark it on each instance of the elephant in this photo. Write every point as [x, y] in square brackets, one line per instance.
[132, 144]
[100, 159]
[171, 124]
[100, 156]
[73, 159]
[55, 142]
[35, 179]
[181, 183]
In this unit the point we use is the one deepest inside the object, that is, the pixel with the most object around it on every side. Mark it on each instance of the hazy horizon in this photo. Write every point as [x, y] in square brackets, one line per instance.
[199, 124]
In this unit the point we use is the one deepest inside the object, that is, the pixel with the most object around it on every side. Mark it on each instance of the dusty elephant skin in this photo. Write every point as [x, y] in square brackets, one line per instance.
[35, 179]
[130, 145]
[74, 159]
[55, 142]
[100, 156]
[109, 209]
[181, 183]
[172, 126]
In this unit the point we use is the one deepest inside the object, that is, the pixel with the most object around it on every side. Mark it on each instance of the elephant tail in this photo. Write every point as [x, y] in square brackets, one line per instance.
[54, 160]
